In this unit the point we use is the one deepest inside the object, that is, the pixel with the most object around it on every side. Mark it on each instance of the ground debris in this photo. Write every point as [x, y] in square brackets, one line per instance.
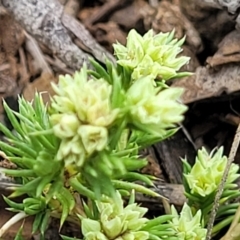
[28, 63]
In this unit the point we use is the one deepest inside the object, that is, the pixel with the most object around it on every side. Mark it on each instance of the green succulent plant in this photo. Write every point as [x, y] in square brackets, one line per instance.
[86, 144]
[187, 226]
[115, 221]
[202, 181]
[152, 55]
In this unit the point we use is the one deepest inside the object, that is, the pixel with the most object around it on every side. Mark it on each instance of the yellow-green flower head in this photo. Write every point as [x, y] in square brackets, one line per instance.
[152, 108]
[207, 172]
[151, 54]
[116, 222]
[81, 115]
[187, 226]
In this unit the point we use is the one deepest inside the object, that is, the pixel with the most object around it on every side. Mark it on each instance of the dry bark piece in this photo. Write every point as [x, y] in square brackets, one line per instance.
[228, 50]
[42, 19]
[45, 20]
[173, 192]
[87, 40]
[206, 83]
[11, 38]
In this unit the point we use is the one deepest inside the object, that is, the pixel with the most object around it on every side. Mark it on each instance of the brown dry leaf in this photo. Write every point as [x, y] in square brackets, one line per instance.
[211, 23]
[107, 34]
[167, 17]
[228, 50]
[193, 63]
[130, 16]
[72, 7]
[11, 38]
[152, 168]
[41, 84]
[84, 14]
[206, 83]
[105, 10]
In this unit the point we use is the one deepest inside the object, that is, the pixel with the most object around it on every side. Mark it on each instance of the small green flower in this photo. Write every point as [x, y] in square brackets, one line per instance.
[81, 114]
[66, 125]
[116, 222]
[131, 55]
[186, 225]
[147, 67]
[153, 109]
[94, 138]
[151, 55]
[72, 151]
[205, 176]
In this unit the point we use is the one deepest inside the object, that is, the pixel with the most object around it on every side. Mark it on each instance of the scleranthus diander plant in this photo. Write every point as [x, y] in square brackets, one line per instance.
[78, 157]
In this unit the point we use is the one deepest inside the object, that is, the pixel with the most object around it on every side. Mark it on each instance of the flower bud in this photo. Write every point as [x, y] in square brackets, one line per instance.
[67, 126]
[151, 55]
[206, 174]
[81, 115]
[152, 109]
[116, 222]
[93, 138]
[186, 225]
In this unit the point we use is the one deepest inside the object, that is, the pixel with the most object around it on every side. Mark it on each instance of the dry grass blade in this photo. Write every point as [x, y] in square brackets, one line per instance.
[231, 157]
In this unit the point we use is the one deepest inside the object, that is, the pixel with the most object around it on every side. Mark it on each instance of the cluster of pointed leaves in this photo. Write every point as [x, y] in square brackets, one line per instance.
[97, 122]
[187, 226]
[202, 180]
[152, 55]
[95, 112]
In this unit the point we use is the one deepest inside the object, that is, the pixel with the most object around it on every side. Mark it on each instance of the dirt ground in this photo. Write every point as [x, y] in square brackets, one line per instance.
[29, 63]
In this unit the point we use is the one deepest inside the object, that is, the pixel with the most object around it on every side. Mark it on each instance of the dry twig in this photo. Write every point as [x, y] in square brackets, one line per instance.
[46, 21]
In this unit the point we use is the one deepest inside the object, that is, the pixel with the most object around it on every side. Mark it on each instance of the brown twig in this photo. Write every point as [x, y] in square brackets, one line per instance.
[46, 21]
[42, 19]
[231, 157]
[103, 12]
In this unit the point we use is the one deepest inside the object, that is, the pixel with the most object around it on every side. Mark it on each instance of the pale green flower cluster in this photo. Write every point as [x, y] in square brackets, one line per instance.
[151, 55]
[205, 176]
[187, 226]
[153, 109]
[82, 115]
[116, 222]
